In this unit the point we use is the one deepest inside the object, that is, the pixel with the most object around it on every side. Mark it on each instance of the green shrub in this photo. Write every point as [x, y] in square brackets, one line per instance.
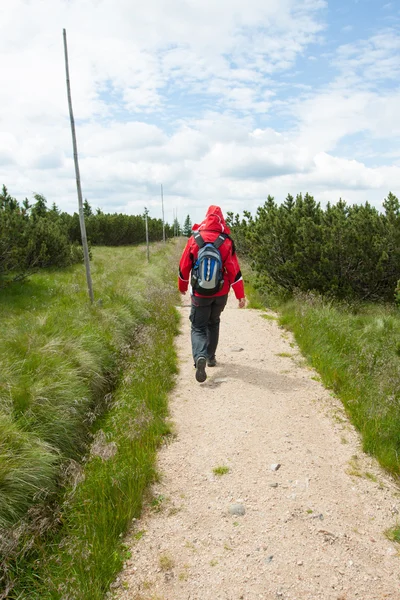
[346, 252]
[32, 237]
[47, 245]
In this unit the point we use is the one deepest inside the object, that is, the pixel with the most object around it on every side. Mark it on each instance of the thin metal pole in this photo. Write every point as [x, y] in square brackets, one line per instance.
[78, 179]
[163, 220]
[146, 212]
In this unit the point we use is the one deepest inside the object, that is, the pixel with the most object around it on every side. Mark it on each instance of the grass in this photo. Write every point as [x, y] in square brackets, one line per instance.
[184, 575]
[62, 358]
[157, 502]
[222, 470]
[269, 317]
[166, 562]
[213, 562]
[354, 468]
[393, 534]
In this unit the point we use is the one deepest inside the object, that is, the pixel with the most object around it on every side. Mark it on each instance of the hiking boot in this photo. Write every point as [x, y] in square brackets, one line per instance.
[201, 374]
[212, 362]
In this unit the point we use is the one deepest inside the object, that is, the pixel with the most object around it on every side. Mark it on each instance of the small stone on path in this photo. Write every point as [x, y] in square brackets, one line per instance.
[275, 467]
[237, 509]
[320, 516]
[237, 349]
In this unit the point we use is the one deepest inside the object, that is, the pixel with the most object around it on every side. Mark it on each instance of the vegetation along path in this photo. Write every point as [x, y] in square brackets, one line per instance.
[261, 439]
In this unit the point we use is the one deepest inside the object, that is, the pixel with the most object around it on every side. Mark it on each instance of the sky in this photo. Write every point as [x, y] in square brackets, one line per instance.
[220, 101]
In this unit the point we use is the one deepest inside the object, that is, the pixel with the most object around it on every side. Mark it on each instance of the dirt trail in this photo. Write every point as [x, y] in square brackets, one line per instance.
[313, 529]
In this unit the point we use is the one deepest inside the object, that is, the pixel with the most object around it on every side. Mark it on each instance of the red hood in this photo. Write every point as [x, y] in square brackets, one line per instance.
[214, 221]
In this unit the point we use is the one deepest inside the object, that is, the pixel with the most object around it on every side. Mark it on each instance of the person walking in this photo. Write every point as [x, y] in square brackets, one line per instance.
[210, 266]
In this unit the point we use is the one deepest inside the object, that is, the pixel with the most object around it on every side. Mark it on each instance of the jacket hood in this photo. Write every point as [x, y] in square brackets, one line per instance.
[214, 221]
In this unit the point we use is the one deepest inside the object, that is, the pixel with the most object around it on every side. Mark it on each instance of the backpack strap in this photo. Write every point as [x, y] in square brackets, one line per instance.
[198, 239]
[220, 240]
[216, 243]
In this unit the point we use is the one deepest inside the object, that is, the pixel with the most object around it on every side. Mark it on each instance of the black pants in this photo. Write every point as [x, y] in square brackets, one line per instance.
[205, 319]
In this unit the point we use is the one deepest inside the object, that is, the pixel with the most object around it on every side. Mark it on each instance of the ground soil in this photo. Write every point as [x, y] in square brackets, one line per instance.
[313, 528]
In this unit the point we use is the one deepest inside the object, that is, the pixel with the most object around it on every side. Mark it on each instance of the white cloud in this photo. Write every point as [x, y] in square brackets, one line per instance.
[137, 50]
[191, 94]
[370, 61]
[123, 139]
[355, 102]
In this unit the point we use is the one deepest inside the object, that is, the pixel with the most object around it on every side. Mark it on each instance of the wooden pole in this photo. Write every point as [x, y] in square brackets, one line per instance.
[78, 179]
[146, 212]
[163, 220]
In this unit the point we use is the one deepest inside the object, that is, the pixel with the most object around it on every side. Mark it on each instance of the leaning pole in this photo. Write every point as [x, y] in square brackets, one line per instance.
[163, 219]
[78, 179]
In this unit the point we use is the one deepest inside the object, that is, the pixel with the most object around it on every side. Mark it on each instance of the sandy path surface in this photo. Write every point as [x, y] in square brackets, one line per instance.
[312, 529]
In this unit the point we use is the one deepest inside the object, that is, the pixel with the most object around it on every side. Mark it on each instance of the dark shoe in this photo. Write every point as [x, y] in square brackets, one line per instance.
[212, 362]
[201, 374]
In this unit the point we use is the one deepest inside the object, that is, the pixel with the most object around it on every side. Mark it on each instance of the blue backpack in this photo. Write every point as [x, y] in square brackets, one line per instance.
[207, 272]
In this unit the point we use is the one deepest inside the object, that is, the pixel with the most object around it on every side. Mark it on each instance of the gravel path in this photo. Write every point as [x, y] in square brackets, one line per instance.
[312, 528]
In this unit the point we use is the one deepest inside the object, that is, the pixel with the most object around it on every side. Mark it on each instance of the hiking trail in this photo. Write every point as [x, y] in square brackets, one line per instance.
[312, 528]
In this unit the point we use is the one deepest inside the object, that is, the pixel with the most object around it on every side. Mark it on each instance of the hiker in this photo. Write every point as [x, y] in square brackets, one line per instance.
[210, 258]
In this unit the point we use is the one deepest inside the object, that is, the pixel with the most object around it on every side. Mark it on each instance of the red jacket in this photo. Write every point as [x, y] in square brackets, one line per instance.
[210, 228]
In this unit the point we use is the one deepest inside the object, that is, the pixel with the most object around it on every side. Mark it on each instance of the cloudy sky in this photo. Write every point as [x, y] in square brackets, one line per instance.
[221, 101]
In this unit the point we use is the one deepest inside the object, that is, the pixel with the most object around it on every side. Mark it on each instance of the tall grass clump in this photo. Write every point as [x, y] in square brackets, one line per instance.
[356, 350]
[26, 470]
[62, 358]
